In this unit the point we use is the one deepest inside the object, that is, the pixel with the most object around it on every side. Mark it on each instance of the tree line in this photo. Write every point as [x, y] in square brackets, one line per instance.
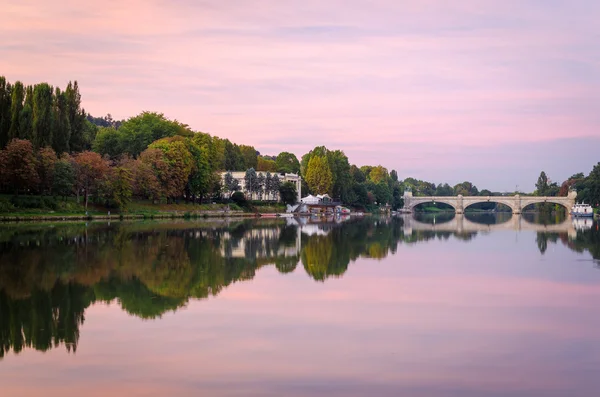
[50, 146]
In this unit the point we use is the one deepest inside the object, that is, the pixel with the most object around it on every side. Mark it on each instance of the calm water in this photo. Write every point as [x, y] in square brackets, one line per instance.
[445, 306]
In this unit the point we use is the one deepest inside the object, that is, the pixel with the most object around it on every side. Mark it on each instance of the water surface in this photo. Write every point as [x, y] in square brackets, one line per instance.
[445, 306]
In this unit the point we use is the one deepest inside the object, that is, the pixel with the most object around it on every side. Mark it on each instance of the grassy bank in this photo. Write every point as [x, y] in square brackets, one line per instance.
[50, 208]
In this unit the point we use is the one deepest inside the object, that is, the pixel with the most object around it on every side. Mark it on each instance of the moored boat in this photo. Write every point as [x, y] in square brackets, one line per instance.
[582, 210]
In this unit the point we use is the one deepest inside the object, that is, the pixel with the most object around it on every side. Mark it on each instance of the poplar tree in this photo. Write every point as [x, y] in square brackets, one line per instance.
[26, 116]
[76, 117]
[42, 115]
[62, 126]
[318, 175]
[16, 107]
[5, 99]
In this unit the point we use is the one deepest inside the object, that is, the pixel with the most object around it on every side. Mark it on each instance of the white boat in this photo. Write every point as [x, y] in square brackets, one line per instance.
[582, 210]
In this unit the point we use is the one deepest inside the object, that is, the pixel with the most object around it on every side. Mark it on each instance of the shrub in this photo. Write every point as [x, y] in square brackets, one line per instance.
[239, 199]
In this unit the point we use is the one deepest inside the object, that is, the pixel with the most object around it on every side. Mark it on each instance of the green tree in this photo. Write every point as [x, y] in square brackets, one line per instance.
[42, 115]
[394, 175]
[318, 175]
[249, 155]
[118, 185]
[17, 101]
[288, 193]
[251, 182]
[64, 178]
[137, 133]
[275, 185]
[26, 116]
[542, 184]
[108, 142]
[180, 164]
[5, 108]
[230, 184]
[287, 162]
[79, 139]
[62, 126]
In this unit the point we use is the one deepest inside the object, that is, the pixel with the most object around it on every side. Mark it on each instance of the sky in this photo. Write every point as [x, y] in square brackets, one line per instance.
[492, 92]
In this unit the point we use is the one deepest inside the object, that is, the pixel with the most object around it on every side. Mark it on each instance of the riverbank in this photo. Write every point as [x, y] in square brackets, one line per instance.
[72, 211]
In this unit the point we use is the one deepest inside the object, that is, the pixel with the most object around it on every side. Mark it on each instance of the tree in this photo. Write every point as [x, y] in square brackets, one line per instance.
[78, 141]
[108, 142]
[144, 182]
[265, 164]
[16, 108]
[260, 181]
[62, 126]
[46, 165]
[154, 159]
[180, 164]
[137, 133]
[542, 184]
[64, 178]
[274, 187]
[230, 184]
[118, 186]
[318, 175]
[42, 115]
[288, 193]
[26, 116]
[249, 155]
[250, 180]
[18, 165]
[394, 175]
[268, 184]
[287, 162]
[90, 169]
[378, 174]
[5, 108]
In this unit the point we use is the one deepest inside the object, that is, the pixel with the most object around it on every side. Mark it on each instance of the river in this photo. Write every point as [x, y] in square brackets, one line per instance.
[432, 306]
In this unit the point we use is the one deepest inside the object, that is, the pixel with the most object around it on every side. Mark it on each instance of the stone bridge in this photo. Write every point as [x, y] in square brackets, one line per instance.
[460, 203]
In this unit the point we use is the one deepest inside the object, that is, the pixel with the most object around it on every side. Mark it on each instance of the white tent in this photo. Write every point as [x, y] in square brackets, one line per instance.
[310, 199]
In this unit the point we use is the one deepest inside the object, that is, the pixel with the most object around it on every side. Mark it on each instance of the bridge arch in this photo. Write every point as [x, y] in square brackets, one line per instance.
[526, 202]
[491, 199]
[419, 201]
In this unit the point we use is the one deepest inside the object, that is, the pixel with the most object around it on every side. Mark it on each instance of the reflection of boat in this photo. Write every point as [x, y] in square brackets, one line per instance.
[582, 210]
[583, 223]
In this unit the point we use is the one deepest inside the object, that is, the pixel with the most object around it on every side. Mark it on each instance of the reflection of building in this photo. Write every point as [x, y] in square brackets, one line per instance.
[259, 243]
[240, 176]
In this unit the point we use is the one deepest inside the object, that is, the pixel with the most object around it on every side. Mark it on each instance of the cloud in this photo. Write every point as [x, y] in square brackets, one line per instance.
[349, 74]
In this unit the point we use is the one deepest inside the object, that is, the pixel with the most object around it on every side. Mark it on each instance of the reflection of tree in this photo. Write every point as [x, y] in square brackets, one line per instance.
[50, 275]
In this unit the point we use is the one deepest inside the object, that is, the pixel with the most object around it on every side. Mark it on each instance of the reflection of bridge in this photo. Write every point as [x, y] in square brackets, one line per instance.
[460, 203]
[461, 224]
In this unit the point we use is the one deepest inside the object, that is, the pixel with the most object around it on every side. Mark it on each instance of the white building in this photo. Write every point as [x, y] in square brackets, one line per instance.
[240, 176]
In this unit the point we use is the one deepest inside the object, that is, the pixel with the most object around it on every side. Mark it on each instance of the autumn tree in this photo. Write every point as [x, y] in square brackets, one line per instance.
[19, 165]
[117, 187]
[265, 164]
[90, 169]
[46, 163]
[378, 174]
[180, 164]
[318, 175]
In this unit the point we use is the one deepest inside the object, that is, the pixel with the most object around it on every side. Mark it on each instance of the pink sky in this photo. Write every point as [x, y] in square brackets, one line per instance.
[436, 91]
